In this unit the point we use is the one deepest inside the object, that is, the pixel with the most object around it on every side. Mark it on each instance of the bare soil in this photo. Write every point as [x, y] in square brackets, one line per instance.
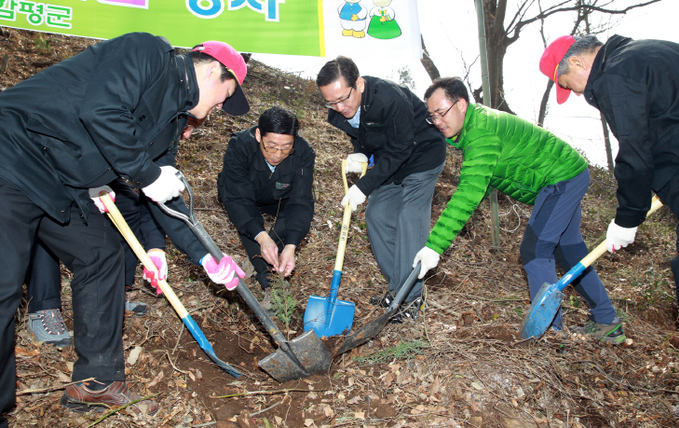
[461, 364]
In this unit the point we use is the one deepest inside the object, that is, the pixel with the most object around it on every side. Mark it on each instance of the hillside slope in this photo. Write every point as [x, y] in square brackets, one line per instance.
[460, 365]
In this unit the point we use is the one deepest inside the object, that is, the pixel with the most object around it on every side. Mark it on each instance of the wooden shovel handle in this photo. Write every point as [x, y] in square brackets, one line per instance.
[346, 218]
[601, 248]
[120, 223]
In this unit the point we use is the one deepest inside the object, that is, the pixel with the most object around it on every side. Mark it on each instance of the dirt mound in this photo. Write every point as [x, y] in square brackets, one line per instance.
[460, 364]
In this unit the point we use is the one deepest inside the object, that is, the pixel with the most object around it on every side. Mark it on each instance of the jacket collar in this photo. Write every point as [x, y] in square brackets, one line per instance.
[606, 51]
[188, 84]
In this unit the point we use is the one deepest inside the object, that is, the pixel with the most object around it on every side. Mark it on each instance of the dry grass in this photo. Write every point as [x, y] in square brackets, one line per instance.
[460, 365]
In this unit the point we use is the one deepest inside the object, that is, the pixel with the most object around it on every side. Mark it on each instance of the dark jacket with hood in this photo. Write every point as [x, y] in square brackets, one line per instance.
[394, 129]
[247, 187]
[635, 85]
[116, 109]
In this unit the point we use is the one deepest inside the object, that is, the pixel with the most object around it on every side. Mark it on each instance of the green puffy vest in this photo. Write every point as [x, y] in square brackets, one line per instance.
[504, 152]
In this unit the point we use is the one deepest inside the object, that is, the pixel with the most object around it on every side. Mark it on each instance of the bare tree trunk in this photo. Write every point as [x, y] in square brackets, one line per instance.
[428, 64]
[543, 104]
[607, 143]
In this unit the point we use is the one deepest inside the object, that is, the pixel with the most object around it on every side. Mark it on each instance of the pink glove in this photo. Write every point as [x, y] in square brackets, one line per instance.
[158, 258]
[95, 196]
[223, 272]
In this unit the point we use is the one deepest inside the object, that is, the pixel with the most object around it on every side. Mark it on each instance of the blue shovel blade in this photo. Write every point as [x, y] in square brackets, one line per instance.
[542, 311]
[326, 318]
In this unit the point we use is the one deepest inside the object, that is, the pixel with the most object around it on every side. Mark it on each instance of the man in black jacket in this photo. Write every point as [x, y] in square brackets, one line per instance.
[269, 169]
[635, 85]
[387, 121]
[113, 110]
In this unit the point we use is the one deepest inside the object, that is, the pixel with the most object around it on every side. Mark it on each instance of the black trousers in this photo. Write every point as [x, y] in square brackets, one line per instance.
[669, 195]
[43, 279]
[94, 254]
[252, 247]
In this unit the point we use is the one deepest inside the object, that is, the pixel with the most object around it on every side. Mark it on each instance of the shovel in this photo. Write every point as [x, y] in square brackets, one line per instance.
[295, 359]
[121, 224]
[328, 316]
[371, 329]
[548, 300]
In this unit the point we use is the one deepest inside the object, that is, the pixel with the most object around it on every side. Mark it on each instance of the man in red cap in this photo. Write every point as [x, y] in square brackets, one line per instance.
[114, 110]
[635, 85]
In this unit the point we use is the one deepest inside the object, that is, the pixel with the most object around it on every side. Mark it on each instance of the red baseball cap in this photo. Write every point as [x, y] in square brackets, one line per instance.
[549, 64]
[237, 104]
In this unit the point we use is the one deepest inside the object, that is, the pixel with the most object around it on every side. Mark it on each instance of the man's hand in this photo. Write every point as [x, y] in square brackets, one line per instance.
[355, 162]
[618, 237]
[158, 258]
[95, 193]
[166, 186]
[429, 259]
[354, 197]
[223, 272]
[287, 263]
[269, 249]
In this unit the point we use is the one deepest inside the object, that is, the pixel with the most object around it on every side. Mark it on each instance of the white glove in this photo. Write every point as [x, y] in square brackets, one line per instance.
[166, 186]
[429, 259]
[355, 162]
[618, 237]
[94, 195]
[354, 197]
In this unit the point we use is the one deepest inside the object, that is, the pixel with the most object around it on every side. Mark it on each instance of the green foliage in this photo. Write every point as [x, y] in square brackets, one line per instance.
[41, 44]
[402, 351]
[283, 302]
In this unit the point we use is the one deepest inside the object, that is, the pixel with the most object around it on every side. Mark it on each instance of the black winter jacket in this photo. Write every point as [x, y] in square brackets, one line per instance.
[247, 187]
[116, 109]
[635, 84]
[393, 128]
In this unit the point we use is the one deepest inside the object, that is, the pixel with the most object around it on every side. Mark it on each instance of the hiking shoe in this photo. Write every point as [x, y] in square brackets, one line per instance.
[81, 399]
[48, 327]
[383, 301]
[408, 311]
[136, 309]
[610, 333]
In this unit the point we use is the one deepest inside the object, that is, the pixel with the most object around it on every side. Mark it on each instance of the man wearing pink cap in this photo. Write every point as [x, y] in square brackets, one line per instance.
[635, 85]
[111, 111]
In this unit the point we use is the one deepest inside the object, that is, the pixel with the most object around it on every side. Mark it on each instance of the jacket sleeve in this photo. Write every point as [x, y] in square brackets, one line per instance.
[180, 234]
[124, 71]
[237, 192]
[481, 155]
[152, 235]
[394, 127]
[628, 106]
[299, 209]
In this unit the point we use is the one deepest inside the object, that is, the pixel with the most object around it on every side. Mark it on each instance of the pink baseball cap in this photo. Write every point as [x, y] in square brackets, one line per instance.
[549, 64]
[237, 104]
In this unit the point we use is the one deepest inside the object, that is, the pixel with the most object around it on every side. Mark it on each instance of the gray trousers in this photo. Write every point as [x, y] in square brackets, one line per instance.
[398, 218]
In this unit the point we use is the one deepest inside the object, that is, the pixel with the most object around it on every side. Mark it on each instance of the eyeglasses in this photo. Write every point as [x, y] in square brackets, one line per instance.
[342, 101]
[439, 117]
[273, 149]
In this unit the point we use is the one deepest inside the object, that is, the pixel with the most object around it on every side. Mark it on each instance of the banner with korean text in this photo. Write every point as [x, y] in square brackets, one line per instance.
[287, 27]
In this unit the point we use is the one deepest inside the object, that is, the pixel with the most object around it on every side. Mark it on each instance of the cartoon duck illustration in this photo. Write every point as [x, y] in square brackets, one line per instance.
[353, 18]
[382, 23]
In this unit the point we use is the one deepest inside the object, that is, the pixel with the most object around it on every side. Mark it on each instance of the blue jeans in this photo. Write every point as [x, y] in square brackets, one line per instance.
[553, 237]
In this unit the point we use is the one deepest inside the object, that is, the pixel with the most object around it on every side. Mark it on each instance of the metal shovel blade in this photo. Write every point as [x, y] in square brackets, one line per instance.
[327, 318]
[371, 329]
[542, 311]
[366, 332]
[298, 358]
[294, 359]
